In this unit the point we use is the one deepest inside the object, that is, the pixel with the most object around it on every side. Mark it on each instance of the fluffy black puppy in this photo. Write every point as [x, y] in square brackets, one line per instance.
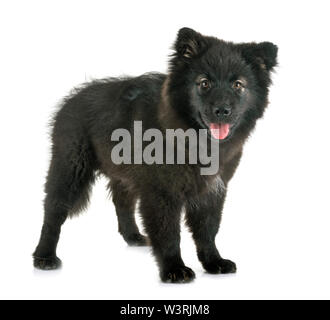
[211, 84]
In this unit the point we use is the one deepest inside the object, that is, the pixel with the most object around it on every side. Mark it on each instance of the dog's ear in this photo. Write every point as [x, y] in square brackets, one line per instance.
[263, 55]
[189, 43]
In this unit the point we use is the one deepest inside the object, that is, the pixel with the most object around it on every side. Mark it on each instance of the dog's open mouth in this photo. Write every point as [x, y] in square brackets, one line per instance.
[219, 131]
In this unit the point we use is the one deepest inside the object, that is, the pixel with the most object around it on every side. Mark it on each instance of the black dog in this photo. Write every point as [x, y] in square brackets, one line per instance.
[211, 84]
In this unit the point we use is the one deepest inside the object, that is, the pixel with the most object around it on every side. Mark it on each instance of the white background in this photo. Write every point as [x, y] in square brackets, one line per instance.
[276, 218]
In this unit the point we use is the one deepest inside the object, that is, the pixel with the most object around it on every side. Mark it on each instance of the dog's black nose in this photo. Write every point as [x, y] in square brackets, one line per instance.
[227, 111]
[224, 111]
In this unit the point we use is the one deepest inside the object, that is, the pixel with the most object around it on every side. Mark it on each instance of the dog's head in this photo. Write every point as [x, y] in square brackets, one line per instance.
[218, 85]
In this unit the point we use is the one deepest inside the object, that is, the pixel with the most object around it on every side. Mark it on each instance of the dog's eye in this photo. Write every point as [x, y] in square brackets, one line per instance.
[238, 84]
[205, 83]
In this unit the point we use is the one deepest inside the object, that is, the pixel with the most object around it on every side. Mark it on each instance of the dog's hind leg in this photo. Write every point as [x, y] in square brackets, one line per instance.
[125, 201]
[68, 183]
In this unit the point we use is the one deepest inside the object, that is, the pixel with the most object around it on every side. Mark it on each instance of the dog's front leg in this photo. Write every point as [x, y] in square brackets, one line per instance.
[161, 216]
[203, 218]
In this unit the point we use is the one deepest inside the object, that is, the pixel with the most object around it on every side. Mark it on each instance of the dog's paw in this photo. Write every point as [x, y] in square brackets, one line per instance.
[47, 263]
[179, 274]
[137, 240]
[222, 266]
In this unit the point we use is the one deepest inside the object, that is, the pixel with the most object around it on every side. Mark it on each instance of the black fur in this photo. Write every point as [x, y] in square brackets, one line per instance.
[82, 147]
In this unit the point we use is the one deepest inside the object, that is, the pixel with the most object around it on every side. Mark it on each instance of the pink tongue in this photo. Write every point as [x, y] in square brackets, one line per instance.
[219, 130]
